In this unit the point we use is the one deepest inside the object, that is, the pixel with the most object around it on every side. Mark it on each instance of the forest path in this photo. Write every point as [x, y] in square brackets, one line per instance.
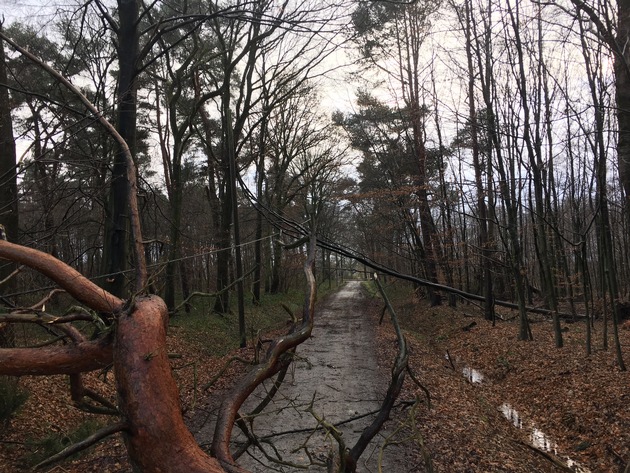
[338, 366]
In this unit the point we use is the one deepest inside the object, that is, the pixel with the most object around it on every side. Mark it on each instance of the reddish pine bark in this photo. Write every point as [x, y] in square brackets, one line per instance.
[157, 440]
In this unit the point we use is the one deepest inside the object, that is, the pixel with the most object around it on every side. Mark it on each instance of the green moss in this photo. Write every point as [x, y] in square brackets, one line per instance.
[55, 442]
[12, 397]
[217, 334]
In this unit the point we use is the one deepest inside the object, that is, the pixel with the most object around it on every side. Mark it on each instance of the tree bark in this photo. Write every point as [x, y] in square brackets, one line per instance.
[157, 438]
[66, 359]
[9, 221]
[8, 169]
[117, 224]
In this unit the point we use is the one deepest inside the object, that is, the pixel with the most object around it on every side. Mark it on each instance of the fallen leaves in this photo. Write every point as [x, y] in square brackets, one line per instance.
[577, 403]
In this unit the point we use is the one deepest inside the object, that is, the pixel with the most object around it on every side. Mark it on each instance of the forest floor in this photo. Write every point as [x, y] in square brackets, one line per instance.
[497, 404]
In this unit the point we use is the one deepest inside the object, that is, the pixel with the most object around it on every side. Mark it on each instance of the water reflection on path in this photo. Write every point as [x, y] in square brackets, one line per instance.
[538, 438]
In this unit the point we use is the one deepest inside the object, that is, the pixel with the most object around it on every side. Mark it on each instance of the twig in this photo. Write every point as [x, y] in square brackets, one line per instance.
[334, 432]
[210, 294]
[419, 384]
[43, 319]
[78, 392]
[383, 311]
[83, 444]
[388, 441]
[52, 341]
[223, 369]
[274, 389]
[552, 458]
[46, 298]
[13, 273]
[450, 360]
[340, 423]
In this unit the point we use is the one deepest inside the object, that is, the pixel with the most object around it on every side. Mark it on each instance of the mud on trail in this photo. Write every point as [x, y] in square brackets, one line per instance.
[337, 370]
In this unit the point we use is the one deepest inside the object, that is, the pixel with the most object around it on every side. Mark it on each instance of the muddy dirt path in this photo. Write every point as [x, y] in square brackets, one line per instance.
[338, 366]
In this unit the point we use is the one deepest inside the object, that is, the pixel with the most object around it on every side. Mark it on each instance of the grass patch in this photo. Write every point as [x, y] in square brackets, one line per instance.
[370, 288]
[55, 442]
[217, 334]
[12, 397]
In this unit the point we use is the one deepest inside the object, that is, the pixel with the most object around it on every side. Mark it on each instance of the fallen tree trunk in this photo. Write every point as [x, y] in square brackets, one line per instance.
[273, 363]
[68, 359]
[157, 438]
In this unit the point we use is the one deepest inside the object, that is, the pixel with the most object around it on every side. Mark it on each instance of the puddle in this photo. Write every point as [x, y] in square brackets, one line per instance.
[538, 438]
[473, 375]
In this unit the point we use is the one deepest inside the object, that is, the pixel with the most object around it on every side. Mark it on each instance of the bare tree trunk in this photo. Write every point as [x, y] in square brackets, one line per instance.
[533, 146]
[8, 170]
[447, 249]
[506, 182]
[607, 265]
[622, 95]
[260, 180]
[237, 232]
[117, 222]
[224, 239]
[9, 216]
[484, 241]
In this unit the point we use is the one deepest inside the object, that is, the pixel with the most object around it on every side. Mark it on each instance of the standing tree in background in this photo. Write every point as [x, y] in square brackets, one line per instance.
[395, 33]
[8, 170]
[601, 17]
[531, 135]
[476, 144]
[9, 217]
[294, 132]
[387, 172]
[185, 51]
[262, 67]
[117, 224]
[509, 183]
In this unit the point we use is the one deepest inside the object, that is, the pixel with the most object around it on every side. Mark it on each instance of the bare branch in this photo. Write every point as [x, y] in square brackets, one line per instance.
[395, 386]
[44, 319]
[8, 278]
[274, 362]
[79, 392]
[77, 285]
[83, 444]
[42, 302]
[85, 356]
[134, 216]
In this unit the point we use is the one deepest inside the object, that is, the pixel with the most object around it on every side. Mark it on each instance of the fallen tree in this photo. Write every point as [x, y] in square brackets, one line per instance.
[134, 341]
[155, 434]
[131, 337]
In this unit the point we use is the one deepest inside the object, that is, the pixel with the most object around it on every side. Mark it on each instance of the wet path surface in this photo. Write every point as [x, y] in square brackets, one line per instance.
[337, 367]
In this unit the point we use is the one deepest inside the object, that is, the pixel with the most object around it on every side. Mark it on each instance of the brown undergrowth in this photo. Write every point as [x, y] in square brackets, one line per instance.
[47, 420]
[578, 402]
[572, 409]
